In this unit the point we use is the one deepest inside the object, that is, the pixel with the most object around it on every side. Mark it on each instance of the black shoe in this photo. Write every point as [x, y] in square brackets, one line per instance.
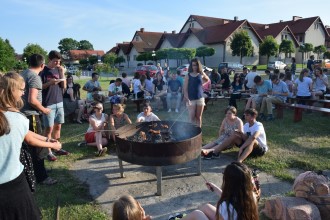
[208, 156]
[214, 155]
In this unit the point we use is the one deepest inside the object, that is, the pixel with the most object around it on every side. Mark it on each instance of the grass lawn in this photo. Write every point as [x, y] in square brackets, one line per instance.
[292, 146]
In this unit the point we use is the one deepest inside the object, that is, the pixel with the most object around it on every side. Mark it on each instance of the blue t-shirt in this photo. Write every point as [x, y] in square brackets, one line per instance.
[10, 147]
[174, 85]
[281, 87]
[264, 88]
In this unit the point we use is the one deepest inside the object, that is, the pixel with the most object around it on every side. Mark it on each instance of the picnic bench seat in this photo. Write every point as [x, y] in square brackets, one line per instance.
[298, 109]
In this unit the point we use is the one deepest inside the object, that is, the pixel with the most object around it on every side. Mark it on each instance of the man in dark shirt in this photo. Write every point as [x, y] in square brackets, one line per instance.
[53, 83]
[310, 64]
[174, 92]
[225, 81]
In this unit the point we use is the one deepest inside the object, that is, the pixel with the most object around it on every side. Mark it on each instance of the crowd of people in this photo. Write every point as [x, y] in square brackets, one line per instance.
[33, 106]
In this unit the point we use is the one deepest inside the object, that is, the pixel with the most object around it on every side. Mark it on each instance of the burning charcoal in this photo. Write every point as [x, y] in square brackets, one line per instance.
[164, 126]
[143, 136]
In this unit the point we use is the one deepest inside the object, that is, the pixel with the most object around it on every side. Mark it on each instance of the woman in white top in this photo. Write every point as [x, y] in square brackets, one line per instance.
[95, 135]
[303, 86]
[237, 197]
[321, 83]
[16, 200]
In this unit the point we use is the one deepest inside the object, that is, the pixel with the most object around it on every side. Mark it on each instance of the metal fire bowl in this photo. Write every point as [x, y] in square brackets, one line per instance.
[186, 147]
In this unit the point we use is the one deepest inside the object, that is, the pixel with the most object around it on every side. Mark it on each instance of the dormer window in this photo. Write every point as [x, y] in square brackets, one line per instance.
[316, 25]
[191, 25]
[137, 38]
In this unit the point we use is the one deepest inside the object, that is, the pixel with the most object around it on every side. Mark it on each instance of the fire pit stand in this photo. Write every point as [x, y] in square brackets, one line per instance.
[183, 145]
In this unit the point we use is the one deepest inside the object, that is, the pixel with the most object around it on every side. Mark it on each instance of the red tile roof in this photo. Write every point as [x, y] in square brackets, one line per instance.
[84, 54]
[174, 39]
[301, 25]
[205, 21]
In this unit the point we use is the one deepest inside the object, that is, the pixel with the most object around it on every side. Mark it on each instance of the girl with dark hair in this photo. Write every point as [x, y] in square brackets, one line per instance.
[16, 199]
[159, 90]
[237, 197]
[193, 91]
[320, 83]
[303, 85]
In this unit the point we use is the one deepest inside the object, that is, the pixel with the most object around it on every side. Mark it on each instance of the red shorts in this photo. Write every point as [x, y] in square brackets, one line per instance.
[90, 137]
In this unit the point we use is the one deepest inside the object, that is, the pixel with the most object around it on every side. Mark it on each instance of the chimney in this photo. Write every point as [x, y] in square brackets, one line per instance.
[142, 30]
[266, 26]
[281, 21]
[296, 18]
[165, 32]
[236, 18]
[174, 32]
[327, 26]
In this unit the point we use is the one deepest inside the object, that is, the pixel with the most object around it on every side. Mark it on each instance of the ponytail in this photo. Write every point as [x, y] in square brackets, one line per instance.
[4, 125]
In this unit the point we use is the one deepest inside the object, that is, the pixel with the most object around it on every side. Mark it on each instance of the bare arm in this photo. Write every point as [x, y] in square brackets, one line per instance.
[34, 102]
[127, 119]
[35, 140]
[222, 127]
[214, 188]
[185, 87]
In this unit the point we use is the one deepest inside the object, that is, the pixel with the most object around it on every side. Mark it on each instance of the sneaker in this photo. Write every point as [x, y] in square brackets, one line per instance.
[176, 110]
[261, 117]
[102, 152]
[215, 155]
[62, 152]
[208, 156]
[51, 157]
[82, 144]
[49, 181]
[169, 110]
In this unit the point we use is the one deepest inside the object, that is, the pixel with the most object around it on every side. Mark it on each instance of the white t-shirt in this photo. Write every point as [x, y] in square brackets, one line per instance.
[257, 126]
[223, 211]
[319, 83]
[303, 88]
[250, 79]
[136, 86]
[113, 88]
[143, 118]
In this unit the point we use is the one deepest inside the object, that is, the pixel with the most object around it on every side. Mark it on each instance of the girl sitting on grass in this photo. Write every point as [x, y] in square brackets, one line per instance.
[118, 119]
[95, 135]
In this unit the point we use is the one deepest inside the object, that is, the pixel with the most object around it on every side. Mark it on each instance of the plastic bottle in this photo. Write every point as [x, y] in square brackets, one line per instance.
[212, 93]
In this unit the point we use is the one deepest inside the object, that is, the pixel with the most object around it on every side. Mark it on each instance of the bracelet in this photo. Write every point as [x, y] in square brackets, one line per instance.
[47, 139]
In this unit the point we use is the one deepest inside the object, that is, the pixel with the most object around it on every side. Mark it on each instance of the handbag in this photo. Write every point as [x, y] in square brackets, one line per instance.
[26, 160]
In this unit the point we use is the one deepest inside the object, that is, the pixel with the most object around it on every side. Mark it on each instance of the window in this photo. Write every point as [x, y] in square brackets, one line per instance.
[134, 57]
[316, 25]
[191, 24]
[137, 38]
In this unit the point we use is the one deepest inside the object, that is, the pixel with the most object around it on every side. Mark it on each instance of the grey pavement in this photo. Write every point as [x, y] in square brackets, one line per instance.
[182, 190]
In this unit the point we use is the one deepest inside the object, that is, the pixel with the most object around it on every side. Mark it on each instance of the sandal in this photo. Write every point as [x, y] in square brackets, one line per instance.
[49, 181]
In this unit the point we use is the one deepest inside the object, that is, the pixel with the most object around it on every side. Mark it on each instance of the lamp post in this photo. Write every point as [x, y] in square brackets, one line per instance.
[153, 54]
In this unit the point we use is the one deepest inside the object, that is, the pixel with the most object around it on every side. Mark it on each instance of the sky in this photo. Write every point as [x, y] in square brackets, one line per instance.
[107, 22]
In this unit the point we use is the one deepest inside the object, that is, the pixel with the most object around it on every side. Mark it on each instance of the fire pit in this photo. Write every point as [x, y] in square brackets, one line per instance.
[159, 144]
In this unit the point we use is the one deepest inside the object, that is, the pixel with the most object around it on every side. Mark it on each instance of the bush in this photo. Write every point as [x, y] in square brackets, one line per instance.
[140, 64]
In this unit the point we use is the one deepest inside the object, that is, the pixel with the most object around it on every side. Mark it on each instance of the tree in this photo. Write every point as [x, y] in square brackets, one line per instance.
[110, 58]
[33, 49]
[268, 47]
[7, 55]
[67, 44]
[205, 51]
[241, 44]
[92, 60]
[319, 49]
[286, 47]
[326, 55]
[120, 60]
[144, 57]
[85, 45]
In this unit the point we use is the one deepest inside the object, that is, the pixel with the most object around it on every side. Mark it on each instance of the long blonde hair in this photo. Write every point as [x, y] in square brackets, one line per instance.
[8, 83]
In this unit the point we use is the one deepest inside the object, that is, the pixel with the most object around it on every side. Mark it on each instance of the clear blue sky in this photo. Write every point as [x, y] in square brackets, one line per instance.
[107, 22]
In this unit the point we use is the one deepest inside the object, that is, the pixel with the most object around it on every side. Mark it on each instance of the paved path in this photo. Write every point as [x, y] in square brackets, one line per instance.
[182, 190]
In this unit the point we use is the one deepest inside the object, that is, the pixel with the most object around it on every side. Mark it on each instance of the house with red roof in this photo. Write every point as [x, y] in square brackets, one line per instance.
[76, 55]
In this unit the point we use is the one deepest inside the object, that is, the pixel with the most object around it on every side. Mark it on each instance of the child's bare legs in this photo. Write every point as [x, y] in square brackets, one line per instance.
[99, 141]
[210, 145]
[197, 215]
[209, 210]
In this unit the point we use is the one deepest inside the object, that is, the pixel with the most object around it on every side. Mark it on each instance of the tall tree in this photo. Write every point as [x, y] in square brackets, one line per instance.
[241, 44]
[85, 45]
[305, 48]
[120, 60]
[205, 51]
[326, 55]
[110, 58]
[286, 47]
[7, 55]
[268, 47]
[67, 44]
[32, 49]
[319, 50]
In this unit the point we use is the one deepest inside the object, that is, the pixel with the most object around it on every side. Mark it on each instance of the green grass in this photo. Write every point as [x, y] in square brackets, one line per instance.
[292, 146]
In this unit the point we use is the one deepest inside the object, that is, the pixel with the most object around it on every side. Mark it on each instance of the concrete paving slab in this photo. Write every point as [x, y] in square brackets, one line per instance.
[182, 189]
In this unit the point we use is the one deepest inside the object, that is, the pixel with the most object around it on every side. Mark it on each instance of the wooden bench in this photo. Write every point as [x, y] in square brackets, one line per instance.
[207, 99]
[298, 109]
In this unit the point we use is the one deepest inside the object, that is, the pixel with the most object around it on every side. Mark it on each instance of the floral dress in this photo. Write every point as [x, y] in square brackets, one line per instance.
[229, 128]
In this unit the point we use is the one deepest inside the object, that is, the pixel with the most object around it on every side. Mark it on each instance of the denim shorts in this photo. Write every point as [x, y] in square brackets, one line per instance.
[56, 115]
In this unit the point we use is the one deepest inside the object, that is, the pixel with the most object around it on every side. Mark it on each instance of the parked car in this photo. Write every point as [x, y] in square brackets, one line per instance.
[279, 65]
[144, 68]
[72, 70]
[327, 64]
[184, 69]
[317, 63]
[232, 67]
